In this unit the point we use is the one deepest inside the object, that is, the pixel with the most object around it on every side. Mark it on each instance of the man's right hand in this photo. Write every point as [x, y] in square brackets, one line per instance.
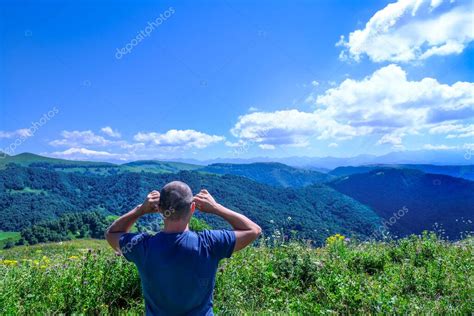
[151, 203]
[205, 202]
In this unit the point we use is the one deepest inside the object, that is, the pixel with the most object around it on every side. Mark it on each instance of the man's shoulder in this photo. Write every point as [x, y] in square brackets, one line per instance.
[212, 236]
[132, 239]
[211, 232]
[219, 242]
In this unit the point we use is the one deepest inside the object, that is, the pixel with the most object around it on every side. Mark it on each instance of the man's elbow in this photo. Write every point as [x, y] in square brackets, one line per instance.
[257, 230]
[107, 234]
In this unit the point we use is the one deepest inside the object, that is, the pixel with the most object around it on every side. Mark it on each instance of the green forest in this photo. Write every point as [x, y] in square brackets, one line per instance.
[29, 195]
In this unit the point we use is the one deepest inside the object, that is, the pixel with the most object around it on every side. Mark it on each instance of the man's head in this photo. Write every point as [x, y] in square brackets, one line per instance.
[176, 201]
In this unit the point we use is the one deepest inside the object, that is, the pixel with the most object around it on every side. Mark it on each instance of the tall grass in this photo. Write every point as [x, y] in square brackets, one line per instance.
[416, 275]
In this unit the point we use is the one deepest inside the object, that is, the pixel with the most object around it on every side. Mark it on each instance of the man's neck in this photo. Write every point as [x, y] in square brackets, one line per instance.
[175, 226]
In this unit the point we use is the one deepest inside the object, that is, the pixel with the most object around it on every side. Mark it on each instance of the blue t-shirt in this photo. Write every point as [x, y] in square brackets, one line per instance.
[178, 270]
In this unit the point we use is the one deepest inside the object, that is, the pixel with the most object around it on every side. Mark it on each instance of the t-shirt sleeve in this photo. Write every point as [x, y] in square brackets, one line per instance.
[221, 243]
[133, 246]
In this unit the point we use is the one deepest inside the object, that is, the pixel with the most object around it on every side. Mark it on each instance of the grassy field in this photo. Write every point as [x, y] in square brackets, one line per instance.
[417, 275]
[6, 237]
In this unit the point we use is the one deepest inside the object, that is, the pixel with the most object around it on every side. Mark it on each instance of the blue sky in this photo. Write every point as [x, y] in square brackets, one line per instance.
[127, 80]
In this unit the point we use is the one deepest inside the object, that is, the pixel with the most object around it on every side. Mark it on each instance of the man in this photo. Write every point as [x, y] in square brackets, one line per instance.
[177, 267]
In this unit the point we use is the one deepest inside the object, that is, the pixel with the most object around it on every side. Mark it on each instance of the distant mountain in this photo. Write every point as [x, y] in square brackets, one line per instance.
[429, 198]
[275, 174]
[159, 166]
[27, 159]
[101, 168]
[29, 195]
[436, 157]
[314, 163]
[465, 172]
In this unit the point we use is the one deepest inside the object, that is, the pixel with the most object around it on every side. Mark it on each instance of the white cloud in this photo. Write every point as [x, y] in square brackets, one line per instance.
[388, 99]
[266, 146]
[333, 145]
[454, 130]
[394, 139]
[253, 109]
[468, 146]
[438, 147]
[178, 139]
[385, 103]
[310, 99]
[290, 127]
[80, 138]
[314, 83]
[239, 143]
[463, 132]
[78, 153]
[444, 128]
[410, 30]
[110, 132]
[22, 132]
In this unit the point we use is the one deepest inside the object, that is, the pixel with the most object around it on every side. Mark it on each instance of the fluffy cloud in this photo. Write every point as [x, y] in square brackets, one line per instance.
[394, 139]
[80, 138]
[179, 139]
[410, 30]
[291, 128]
[266, 146]
[454, 130]
[388, 99]
[110, 132]
[23, 132]
[83, 153]
[253, 109]
[385, 103]
[438, 147]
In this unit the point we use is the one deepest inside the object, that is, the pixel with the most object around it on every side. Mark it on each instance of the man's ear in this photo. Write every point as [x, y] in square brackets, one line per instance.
[193, 207]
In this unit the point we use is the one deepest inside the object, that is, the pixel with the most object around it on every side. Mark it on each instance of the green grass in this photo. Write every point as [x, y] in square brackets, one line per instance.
[416, 275]
[8, 237]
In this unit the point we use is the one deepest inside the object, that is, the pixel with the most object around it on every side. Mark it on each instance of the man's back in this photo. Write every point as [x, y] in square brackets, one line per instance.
[178, 269]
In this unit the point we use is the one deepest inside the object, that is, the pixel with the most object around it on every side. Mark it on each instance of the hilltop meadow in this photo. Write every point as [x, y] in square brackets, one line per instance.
[414, 275]
[322, 252]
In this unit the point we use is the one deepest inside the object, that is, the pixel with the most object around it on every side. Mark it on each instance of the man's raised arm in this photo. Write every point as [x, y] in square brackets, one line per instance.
[245, 230]
[125, 222]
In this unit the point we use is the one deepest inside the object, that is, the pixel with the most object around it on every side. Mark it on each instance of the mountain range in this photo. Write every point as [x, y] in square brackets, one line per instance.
[355, 200]
[431, 157]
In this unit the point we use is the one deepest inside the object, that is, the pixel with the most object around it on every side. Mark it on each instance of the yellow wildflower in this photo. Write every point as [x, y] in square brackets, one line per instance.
[335, 238]
[10, 262]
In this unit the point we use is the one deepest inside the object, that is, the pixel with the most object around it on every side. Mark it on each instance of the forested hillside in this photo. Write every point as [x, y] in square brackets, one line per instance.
[465, 172]
[432, 201]
[275, 174]
[29, 195]
[35, 188]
